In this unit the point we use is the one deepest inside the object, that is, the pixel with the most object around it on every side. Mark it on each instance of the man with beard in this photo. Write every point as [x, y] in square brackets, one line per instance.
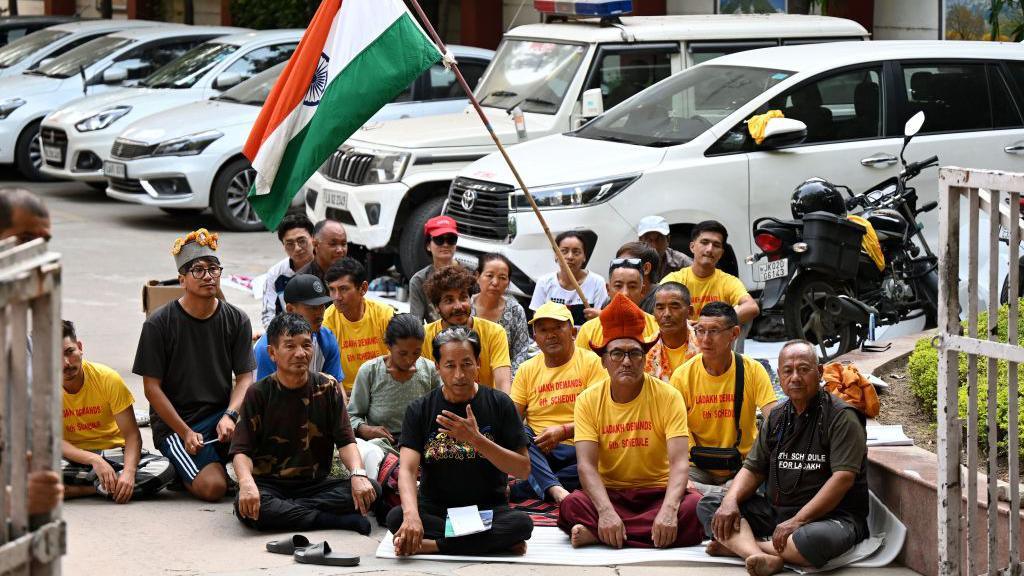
[448, 289]
[306, 296]
[544, 391]
[330, 244]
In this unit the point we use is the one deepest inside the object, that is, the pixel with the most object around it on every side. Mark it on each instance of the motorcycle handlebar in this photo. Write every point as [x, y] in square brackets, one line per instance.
[914, 168]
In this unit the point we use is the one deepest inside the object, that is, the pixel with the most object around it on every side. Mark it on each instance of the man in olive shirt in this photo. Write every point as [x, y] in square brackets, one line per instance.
[812, 450]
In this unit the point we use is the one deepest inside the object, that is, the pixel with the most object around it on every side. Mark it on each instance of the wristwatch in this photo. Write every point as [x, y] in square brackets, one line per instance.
[360, 472]
[233, 414]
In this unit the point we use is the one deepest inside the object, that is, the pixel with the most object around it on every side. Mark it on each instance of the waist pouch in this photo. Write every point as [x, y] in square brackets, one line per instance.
[707, 458]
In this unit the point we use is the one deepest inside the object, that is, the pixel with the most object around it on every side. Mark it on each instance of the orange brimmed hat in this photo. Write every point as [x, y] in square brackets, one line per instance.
[622, 318]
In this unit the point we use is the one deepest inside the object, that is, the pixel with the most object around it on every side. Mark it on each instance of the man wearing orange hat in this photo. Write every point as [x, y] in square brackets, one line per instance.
[631, 448]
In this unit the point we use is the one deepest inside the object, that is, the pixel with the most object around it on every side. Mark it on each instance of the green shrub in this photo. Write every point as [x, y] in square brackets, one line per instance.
[267, 14]
[923, 369]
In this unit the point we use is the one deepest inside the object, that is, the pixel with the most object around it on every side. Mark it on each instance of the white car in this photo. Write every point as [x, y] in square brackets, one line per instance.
[90, 125]
[681, 149]
[41, 46]
[103, 64]
[190, 158]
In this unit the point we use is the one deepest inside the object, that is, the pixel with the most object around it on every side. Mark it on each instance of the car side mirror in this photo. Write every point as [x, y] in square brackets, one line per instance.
[227, 80]
[593, 103]
[44, 62]
[114, 75]
[781, 132]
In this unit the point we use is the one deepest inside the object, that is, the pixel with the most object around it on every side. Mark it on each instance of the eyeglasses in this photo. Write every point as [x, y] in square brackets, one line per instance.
[709, 332]
[620, 355]
[297, 243]
[198, 272]
[450, 239]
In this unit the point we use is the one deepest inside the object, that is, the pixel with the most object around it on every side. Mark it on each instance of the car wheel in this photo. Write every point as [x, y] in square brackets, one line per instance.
[412, 256]
[230, 197]
[28, 154]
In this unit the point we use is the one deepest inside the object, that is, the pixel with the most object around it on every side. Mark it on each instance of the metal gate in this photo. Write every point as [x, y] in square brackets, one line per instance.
[30, 404]
[998, 195]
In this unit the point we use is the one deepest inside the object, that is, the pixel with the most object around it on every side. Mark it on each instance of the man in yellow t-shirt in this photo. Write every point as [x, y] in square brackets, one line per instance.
[544, 391]
[676, 345]
[626, 277]
[448, 291]
[708, 385]
[102, 447]
[631, 447]
[357, 323]
[706, 282]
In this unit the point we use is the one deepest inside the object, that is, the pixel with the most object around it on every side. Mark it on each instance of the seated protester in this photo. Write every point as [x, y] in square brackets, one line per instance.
[282, 448]
[296, 234]
[677, 343]
[812, 455]
[466, 439]
[544, 392]
[357, 322]
[709, 383]
[554, 287]
[625, 276]
[631, 447]
[492, 303]
[102, 446]
[330, 244]
[306, 296]
[441, 236]
[706, 282]
[448, 289]
[384, 388]
[649, 258]
[656, 233]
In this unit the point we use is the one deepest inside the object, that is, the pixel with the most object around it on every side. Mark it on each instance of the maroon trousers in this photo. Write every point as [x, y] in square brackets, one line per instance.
[638, 508]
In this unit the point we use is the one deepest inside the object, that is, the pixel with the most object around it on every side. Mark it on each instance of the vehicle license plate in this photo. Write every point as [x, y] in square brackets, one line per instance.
[53, 154]
[115, 170]
[336, 199]
[772, 270]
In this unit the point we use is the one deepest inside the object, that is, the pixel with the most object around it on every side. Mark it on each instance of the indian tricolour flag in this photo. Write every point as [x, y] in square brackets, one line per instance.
[354, 58]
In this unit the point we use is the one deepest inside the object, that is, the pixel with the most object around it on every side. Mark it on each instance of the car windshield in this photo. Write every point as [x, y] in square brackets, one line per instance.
[69, 63]
[255, 90]
[190, 67]
[682, 107]
[531, 74]
[27, 45]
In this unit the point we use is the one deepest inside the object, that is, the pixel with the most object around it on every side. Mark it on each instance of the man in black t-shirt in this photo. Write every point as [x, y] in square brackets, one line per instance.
[190, 353]
[812, 450]
[291, 422]
[468, 438]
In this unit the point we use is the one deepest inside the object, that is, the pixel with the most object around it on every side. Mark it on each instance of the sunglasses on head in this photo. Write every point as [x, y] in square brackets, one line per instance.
[634, 263]
[443, 239]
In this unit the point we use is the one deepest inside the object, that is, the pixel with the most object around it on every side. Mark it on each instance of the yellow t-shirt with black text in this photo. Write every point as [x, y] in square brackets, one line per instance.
[361, 341]
[592, 333]
[632, 438]
[719, 287]
[709, 400]
[89, 414]
[549, 394]
[493, 347]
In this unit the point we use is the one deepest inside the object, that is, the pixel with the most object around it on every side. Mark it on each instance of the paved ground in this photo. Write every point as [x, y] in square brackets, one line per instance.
[110, 249]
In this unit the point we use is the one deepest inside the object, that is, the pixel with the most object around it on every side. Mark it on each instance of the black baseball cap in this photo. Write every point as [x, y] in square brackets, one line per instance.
[306, 289]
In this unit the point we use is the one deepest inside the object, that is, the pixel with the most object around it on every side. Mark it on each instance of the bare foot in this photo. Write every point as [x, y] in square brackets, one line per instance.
[518, 549]
[716, 548]
[558, 494]
[764, 565]
[581, 537]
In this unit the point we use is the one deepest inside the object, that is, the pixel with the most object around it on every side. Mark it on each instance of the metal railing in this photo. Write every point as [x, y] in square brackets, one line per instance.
[30, 404]
[982, 191]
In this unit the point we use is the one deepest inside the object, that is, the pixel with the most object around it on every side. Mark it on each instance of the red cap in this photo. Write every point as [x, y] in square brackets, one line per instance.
[439, 225]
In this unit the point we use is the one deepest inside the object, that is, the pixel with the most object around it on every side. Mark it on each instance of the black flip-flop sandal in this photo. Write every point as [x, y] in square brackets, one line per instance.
[289, 546]
[321, 554]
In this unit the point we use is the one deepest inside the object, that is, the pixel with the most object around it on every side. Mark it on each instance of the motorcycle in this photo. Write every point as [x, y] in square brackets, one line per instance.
[830, 289]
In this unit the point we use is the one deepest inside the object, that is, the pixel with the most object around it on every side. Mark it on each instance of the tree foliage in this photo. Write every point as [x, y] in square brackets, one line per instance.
[269, 14]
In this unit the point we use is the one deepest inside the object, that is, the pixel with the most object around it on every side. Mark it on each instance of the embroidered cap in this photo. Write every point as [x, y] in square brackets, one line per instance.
[199, 244]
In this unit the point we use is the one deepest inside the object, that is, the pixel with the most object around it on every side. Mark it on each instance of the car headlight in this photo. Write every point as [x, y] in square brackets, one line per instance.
[103, 119]
[387, 167]
[10, 105]
[187, 145]
[573, 195]
[365, 166]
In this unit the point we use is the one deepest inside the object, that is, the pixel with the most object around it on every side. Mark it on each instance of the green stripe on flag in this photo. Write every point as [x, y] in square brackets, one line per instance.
[372, 79]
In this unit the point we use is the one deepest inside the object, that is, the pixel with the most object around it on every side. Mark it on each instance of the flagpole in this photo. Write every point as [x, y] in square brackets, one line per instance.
[566, 271]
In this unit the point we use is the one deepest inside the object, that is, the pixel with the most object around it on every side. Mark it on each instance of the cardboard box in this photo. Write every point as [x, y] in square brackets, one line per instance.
[156, 293]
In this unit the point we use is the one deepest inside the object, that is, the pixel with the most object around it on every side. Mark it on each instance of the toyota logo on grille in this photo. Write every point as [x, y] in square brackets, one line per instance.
[468, 199]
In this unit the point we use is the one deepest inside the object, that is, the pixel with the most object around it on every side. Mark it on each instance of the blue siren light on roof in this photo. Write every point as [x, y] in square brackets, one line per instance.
[599, 8]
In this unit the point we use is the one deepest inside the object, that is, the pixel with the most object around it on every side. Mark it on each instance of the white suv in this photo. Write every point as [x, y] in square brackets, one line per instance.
[681, 148]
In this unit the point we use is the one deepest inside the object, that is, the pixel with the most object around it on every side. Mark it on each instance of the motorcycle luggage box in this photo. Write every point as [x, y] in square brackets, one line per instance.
[833, 244]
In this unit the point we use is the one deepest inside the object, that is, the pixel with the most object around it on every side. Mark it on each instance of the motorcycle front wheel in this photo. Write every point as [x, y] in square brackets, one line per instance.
[807, 319]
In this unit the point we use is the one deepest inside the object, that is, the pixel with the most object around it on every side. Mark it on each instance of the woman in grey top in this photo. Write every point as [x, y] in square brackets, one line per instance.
[386, 385]
[493, 271]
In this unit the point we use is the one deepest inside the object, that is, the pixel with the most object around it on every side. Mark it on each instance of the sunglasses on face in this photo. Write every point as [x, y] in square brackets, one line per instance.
[450, 239]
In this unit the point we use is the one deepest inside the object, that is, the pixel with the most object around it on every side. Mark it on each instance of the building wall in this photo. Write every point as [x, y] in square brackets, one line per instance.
[907, 20]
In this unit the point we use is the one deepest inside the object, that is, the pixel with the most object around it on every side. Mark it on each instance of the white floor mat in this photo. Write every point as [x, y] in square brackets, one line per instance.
[551, 546]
